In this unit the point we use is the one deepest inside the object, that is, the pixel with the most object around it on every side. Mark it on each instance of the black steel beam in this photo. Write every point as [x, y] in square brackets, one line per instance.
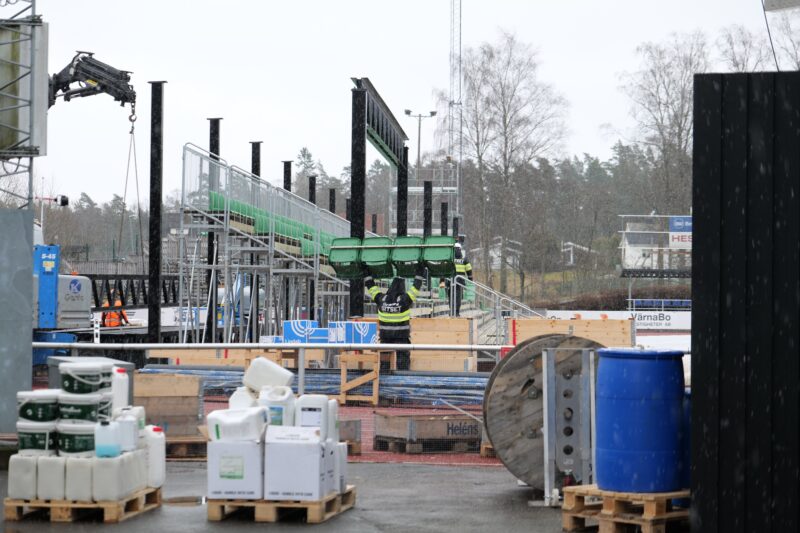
[312, 189]
[402, 195]
[287, 175]
[213, 173]
[443, 218]
[455, 229]
[358, 176]
[348, 206]
[427, 206]
[374, 224]
[382, 128]
[156, 182]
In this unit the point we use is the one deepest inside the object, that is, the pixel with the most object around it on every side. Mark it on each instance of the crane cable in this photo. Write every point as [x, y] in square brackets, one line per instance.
[132, 156]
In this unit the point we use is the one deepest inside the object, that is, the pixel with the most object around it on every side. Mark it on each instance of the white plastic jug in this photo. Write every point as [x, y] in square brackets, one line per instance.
[22, 477]
[107, 439]
[156, 456]
[279, 402]
[107, 482]
[129, 432]
[50, 478]
[333, 420]
[79, 479]
[263, 372]
[119, 388]
[311, 410]
[242, 398]
[237, 424]
[137, 411]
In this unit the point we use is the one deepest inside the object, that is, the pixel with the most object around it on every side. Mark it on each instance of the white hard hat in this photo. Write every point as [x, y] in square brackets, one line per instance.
[458, 245]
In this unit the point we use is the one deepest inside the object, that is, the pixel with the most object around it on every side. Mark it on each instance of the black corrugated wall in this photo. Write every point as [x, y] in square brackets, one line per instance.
[746, 303]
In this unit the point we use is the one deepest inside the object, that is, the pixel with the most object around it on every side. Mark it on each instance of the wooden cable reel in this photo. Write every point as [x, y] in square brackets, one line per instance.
[513, 404]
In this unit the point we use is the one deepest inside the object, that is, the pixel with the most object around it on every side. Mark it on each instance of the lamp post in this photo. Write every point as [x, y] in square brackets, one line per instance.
[419, 118]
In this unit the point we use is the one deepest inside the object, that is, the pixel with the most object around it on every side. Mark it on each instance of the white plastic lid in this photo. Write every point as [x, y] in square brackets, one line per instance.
[80, 367]
[28, 427]
[81, 399]
[41, 395]
[76, 429]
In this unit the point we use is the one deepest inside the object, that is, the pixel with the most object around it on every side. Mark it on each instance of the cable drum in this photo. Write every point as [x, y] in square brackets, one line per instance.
[513, 405]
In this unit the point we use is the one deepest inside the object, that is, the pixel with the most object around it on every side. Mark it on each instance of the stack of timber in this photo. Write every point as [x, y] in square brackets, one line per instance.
[426, 433]
[616, 512]
[444, 331]
[237, 357]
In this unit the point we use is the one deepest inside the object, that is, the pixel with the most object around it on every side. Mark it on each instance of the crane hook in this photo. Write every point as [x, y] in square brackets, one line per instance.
[132, 117]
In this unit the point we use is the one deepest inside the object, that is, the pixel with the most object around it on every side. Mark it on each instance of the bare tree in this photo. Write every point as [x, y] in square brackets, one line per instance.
[662, 93]
[741, 50]
[788, 38]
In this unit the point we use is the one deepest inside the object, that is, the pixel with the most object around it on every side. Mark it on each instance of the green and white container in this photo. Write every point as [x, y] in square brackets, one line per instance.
[78, 408]
[106, 370]
[75, 440]
[81, 378]
[36, 438]
[38, 405]
[104, 408]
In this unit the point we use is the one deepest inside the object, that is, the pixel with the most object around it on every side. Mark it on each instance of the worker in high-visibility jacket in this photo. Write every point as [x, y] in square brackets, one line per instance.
[463, 268]
[394, 312]
[115, 318]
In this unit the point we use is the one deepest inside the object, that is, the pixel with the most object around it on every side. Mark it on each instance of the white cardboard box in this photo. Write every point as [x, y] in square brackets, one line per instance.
[294, 464]
[235, 470]
[341, 458]
[331, 477]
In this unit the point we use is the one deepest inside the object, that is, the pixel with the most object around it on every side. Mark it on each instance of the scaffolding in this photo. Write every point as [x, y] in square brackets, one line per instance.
[444, 181]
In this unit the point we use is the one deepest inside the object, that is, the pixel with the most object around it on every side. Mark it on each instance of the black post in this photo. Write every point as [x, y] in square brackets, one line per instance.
[348, 210]
[402, 195]
[443, 218]
[332, 200]
[255, 169]
[427, 206]
[287, 175]
[455, 228]
[213, 185]
[374, 223]
[156, 179]
[358, 177]
[312, 189]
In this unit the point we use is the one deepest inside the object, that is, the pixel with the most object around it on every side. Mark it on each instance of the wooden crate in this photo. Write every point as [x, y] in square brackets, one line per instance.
[172, 402]
[604, 332]
[69, 511]
[616, 511]
[444, 363]
[276, 511]
[350, 430]
[443, 331]
[410, 433]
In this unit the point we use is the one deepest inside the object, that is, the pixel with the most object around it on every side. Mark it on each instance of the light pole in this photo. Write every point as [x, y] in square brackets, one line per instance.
[419, 118]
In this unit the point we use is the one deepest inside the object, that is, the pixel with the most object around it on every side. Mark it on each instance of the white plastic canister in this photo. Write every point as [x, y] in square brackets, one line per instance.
[38, 405]
[242, 398]
[119, 388]
[137, 411]
[237, 424]
[129, 431]
[311, 410]
[263, 372]
[81, 377]
[36, 438]
[279, 402]
[107, 479]
[50, 478]
[79, 479]
[107, 439]
[75, 440]
[22, 477]
[156, 456]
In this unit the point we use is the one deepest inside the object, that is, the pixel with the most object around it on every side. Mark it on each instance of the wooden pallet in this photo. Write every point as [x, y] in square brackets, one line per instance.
[616, 512]
[69, 511]
[487, 450]
[400, 445]
[353, 447]
[189, 448]
[278, 511]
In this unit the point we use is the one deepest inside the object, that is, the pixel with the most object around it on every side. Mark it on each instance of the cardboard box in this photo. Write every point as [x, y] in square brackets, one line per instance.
[294, 464]
[318, 335]
[298, 330]
[235, 470]
[353, 332]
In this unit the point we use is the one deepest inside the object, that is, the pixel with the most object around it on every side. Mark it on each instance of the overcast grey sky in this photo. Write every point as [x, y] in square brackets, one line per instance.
[280, 72]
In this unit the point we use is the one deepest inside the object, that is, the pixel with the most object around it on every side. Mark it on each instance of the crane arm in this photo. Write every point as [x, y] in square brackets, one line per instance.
[94, 77]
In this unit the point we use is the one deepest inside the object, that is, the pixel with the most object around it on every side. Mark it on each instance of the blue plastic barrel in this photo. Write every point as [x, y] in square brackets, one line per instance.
[639, 410]
[40, 355]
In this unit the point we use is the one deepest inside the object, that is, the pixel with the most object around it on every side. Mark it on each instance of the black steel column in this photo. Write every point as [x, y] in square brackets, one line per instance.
[255, 169]
[348, 209]
[332, 200]
[427, 206]
[213, 185]
[156, 180]
[287, 175]
[312, 189]
[374, 224]
[402, 195]
[358, 176]
[443, 219]
[455, 228]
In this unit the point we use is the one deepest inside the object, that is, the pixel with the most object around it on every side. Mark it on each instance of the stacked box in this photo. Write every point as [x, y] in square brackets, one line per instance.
[353, 332]
[298, 330]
